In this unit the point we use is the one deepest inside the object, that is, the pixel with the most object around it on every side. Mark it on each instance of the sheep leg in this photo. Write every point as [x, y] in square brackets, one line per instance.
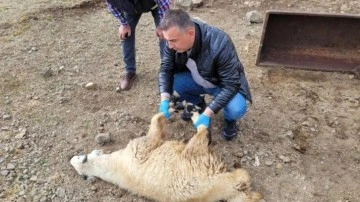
[198, 144]
[157, 128]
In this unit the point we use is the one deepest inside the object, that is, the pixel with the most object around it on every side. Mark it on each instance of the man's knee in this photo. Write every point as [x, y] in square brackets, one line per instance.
[238, 112]
[237, 108]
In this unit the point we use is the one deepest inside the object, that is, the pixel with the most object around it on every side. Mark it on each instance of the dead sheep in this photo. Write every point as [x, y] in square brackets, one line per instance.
[164, 171]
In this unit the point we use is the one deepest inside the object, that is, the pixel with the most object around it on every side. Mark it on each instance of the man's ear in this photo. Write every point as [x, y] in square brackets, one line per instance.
[191, 31]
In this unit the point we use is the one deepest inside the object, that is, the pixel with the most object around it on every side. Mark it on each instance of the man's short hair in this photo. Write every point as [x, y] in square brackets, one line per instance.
[176, 17]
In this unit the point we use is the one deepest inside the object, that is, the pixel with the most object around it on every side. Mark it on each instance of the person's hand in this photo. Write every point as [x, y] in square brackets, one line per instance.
[164, 108]
[124, 31]
[202, 120]
[159, 33]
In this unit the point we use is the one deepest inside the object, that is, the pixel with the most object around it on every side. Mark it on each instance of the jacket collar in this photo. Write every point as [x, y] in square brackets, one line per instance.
[195, 51]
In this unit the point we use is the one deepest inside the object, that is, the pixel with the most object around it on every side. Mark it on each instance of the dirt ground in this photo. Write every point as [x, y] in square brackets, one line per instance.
[299, 140]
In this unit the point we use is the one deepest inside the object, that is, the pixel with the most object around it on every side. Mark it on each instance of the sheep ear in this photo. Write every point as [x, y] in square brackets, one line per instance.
[157, 127]
[198, 144]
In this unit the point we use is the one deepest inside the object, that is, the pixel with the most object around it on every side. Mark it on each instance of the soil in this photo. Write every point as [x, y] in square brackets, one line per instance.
[299, 140]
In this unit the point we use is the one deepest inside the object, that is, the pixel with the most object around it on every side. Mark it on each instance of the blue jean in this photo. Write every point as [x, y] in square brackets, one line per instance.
[190, 91]
[128, 45]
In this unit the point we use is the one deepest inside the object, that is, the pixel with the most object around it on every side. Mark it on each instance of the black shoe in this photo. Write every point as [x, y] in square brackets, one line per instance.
[187, 113]
[229, 131]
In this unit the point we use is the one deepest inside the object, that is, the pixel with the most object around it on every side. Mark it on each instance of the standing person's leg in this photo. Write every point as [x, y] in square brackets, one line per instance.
[129, 53]
[162, 43]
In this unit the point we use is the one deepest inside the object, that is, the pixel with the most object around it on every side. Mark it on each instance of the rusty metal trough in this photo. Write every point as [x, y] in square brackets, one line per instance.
[312, 41]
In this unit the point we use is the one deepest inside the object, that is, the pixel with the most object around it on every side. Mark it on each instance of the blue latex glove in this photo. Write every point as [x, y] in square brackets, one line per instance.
[164, 108]
[202, 120]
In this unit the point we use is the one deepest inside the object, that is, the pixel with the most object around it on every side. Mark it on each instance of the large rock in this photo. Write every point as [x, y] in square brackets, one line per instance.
[254, 17]
[183, 4]
[197, 3]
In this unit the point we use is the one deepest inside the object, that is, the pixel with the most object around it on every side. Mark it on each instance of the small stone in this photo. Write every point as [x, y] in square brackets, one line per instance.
[23, 132]
[306, 123]
[285, 159]
[289, 134]
[101, 129]
[197, 3]
[345, 8]
[10, 166]
[60, 192]
[64, 100]
[257, 161]
[90, 86]
[102, 138]
[239, 155]
[43, 199]
[33, 178]
[76, 68]
[32, 49]
[297, 147]
[279, 166]
[6, 117]
[93, 188]
[5, 128]
[48, 73]
[4, 172]
[20, 146]
[268, 162]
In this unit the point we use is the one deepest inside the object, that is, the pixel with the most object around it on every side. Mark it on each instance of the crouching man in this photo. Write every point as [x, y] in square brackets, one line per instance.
[201, 59]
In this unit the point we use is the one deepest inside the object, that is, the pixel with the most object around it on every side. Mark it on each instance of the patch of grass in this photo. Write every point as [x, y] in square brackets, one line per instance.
[10, 83]
[4, 8]
[42, 162]
[22, 26]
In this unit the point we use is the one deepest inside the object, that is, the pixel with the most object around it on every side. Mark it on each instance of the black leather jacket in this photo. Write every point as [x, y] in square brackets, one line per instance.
[217, 62]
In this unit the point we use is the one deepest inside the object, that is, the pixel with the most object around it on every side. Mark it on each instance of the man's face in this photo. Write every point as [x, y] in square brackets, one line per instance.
[180, 41]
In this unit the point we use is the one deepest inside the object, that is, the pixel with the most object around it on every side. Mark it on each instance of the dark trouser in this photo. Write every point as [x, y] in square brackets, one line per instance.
[128, 45]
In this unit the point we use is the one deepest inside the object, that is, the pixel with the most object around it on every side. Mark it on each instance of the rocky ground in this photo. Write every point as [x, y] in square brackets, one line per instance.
[299, 140]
